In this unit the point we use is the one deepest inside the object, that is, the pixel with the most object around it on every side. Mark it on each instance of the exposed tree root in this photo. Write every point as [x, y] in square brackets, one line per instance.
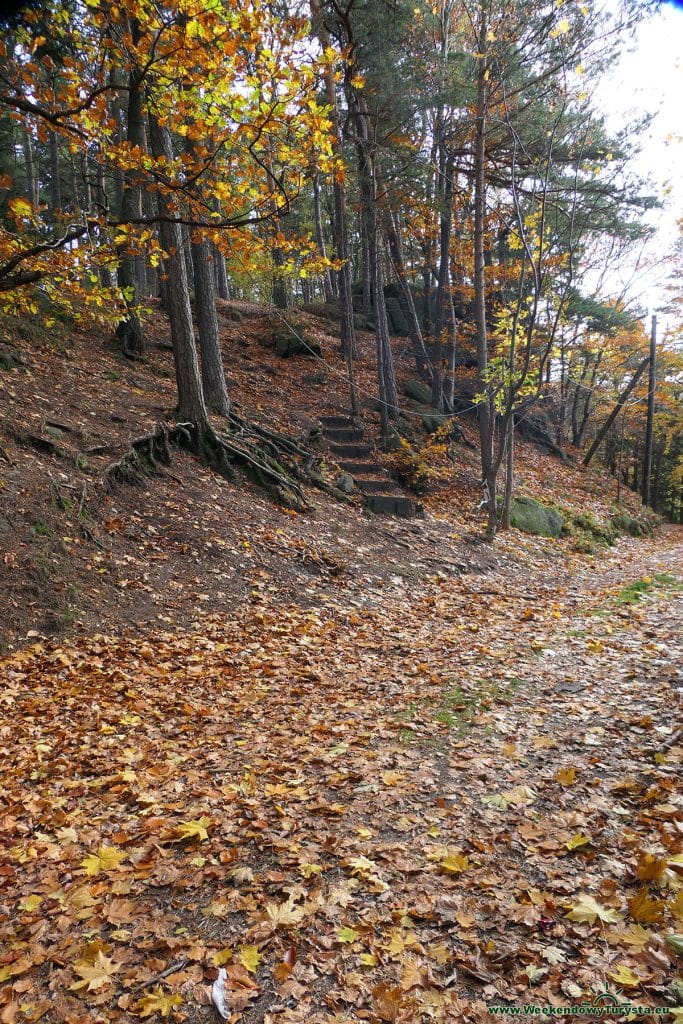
[275, 462]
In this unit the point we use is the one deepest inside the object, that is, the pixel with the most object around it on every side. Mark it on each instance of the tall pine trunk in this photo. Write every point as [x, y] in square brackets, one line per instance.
[191, 405]
[129, 331]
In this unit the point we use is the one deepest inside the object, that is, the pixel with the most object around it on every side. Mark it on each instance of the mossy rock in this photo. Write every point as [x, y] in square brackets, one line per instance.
[292, 339]
[419, 391]
[10, 359]
[601, 533]
[624, 523]
[431, 420]
[531, 516]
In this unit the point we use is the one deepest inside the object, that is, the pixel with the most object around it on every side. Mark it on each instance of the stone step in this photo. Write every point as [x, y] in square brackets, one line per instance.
[337, 421]
[343, 433]
[366, 486]
[407, 508]
[362, 467]
[350, 451]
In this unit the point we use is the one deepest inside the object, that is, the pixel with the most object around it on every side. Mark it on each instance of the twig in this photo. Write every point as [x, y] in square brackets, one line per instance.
[171, 969]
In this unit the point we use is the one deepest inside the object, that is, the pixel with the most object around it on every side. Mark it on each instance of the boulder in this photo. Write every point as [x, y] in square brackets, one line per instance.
[345, 483]
[531, 516]
[419, 391]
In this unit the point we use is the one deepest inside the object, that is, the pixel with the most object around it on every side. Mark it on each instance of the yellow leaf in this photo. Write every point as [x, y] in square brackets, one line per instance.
[222, 957]
[107, 858]
[368, 959]
[635, 935]
[644, 908]
[347, 935]
[566, 776]
[391, 778]
[31, 903]
[285, 914]
[158, 1001]
[455, 864]
[625, 976]
[308, 870]
[194, 829]
[249, 957]
[94, 975]
[578, 840]
[587, 911]
[20, 207]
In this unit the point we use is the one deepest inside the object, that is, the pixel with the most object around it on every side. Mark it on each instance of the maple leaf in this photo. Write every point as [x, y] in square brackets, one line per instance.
[519, 795]
[587, 911]
[650, 868]
[566, 776]
[625, 976]
[158, 1001]
[193, 829]
[635, 935]
[107, 858]
[285, 914]
[578, 841]
[348, 935]
[386, 1001]
[645, 908]
[222, 956]
[455, 864]
[249, 957]
[94, 975]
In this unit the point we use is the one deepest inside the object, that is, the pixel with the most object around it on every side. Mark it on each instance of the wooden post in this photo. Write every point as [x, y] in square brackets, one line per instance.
[647, 462]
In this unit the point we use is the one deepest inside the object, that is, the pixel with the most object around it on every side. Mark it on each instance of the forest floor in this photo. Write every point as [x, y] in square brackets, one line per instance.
[449, 797]
[371, 768]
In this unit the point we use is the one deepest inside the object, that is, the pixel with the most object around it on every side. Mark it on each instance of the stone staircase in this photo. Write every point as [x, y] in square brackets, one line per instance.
[380, 493]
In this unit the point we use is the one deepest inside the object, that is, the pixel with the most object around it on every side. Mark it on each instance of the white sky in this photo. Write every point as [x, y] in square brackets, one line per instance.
[650, 79]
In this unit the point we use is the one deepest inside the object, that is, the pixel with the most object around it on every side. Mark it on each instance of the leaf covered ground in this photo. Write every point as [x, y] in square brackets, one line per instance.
[411, 801]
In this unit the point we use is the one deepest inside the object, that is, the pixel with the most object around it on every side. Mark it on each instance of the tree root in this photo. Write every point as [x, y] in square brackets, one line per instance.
[275, 462]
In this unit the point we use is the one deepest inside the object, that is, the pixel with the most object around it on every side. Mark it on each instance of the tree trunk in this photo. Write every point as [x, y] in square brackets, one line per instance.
[339, 221]
[129, 331]
[388, 395]
[191, 405]
[647, 464]
[320, 238]
[420, 353]
[222, 287]
[486, 411]
[615, 411]
[29, 164]
[55, 183]
[213, 374]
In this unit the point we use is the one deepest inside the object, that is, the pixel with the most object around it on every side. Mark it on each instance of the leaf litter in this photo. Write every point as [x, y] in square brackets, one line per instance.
[404, 812]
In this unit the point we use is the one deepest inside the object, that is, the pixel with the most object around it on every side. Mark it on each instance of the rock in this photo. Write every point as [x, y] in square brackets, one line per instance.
[624, 523]
[419, 391]
[398, 324]
[531, 516]
[345, 483]
[291, 339]
[10, 359]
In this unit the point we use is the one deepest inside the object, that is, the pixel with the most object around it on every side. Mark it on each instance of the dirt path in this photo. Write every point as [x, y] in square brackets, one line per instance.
[445, 800]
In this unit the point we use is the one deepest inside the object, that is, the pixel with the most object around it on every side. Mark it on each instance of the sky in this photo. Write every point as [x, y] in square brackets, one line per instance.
[649, 79]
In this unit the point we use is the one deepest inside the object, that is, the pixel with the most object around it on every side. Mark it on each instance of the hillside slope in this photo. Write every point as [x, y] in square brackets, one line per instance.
[77, 555]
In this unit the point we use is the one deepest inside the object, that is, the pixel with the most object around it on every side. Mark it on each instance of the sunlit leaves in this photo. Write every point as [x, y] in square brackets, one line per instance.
[188, 830]
[159, 1001]
[587, 910]
[94, 975]
[107, 858]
